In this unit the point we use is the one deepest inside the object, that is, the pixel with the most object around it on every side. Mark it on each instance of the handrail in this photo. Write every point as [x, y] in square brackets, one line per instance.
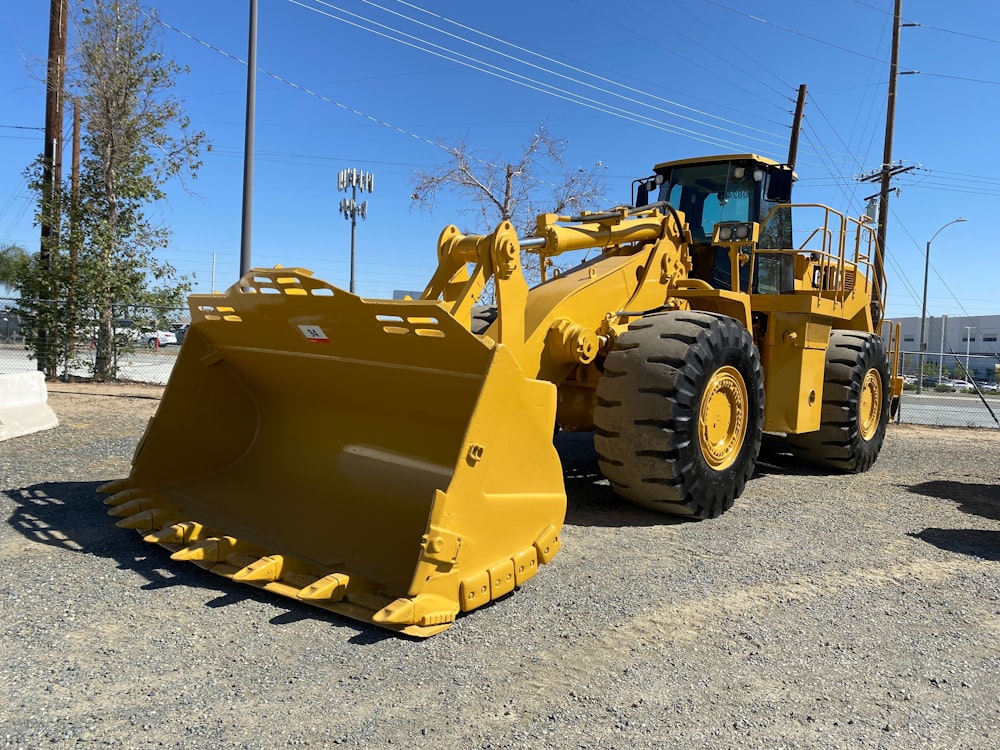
[833, 235]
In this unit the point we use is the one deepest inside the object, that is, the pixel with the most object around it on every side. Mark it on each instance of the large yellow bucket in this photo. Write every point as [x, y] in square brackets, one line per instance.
[373, 458]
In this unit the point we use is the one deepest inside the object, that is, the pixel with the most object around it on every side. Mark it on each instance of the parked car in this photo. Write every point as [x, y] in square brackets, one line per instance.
[962, 385]
[128, 331]
[156, 339]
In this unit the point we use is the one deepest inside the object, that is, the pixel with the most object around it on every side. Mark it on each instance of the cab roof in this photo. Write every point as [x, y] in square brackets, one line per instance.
[712, 159]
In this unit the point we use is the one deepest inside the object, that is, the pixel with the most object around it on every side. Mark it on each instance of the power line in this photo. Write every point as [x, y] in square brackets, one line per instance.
[340, 105]
[555, 61]
[415, 136]
[794, 31]
[531, 83]
[955, 78]
[911, 22]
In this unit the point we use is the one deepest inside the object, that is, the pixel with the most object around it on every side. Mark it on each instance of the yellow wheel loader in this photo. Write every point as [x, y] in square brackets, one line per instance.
[393, 460]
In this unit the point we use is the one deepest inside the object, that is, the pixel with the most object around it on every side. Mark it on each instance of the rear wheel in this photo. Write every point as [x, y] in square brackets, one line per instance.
[856, 405]
[679, 413]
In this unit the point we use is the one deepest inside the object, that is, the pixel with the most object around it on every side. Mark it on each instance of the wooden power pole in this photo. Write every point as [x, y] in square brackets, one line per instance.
[52, 161]
[890, 118]
[793, 143]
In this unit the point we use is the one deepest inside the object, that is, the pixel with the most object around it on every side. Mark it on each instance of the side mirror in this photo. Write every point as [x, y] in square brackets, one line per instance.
[642, 195]
[779, 183]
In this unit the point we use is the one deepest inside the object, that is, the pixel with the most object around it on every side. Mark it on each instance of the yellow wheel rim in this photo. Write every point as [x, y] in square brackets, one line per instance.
[870, 405]
[722, 419]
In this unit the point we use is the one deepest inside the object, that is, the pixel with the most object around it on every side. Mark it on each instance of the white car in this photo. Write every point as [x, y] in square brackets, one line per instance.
[156, 339]
[962, 385]
[152, 339]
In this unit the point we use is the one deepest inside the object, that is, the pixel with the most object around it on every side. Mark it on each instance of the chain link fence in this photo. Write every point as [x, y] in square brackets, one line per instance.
[143, 348]
[950, 389]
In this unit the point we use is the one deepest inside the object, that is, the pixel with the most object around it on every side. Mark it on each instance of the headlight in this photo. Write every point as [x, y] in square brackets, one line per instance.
[735, 231]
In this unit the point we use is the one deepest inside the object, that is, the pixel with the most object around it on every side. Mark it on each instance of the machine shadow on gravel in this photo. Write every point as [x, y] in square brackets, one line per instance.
[973, 542]
[973, 498]
[72, 516]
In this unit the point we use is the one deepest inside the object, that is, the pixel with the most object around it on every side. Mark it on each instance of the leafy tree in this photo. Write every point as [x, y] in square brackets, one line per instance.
[14, 261]
[496, 190]
[136, 139]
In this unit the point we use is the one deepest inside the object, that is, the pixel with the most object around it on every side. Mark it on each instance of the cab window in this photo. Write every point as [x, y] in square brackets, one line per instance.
[709, 194]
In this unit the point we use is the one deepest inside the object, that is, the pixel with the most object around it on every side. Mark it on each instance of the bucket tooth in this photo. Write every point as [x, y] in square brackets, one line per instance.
[179, 533]
[331, 588]
[132, 507]
[501, 578]
[146, 520]
[119, 498]
[423, 609]
[264, 570]
[525, 565]
[114, 486]
[214, 550]
[548, 544]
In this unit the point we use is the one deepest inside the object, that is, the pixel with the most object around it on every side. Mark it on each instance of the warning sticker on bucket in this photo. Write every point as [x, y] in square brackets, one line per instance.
[314, 334]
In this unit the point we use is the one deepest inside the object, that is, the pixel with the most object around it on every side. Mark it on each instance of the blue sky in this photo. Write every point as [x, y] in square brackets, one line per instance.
[627, 84]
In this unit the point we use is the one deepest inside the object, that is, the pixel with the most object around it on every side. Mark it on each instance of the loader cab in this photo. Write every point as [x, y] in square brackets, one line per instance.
[738, 188]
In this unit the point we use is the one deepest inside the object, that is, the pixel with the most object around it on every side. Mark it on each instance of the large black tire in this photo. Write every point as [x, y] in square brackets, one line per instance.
[680, 411]
[856, 396]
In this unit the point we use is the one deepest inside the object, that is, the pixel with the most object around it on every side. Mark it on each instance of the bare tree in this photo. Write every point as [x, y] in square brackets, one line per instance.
[538, 181]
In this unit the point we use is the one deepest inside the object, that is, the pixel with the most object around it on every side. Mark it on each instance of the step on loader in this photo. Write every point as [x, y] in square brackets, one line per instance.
[393, 460]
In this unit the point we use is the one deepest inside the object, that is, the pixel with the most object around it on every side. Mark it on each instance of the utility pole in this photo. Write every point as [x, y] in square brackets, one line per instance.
[354, 180]
[52, 153]
[52, 162]
[793, 143]
[890, 118]
[887, 171]
[248, 145]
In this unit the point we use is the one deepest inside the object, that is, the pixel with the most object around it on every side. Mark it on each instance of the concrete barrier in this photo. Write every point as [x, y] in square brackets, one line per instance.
[24, 405]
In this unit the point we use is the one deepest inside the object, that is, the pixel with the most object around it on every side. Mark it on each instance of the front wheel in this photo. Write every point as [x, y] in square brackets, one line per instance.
[856, 405]
[680, 411]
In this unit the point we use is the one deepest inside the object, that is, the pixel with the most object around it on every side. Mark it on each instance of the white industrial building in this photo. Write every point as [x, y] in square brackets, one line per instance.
[951, 342]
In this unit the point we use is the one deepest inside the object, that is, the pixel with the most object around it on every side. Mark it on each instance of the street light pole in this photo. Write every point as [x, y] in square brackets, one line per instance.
[923, 306]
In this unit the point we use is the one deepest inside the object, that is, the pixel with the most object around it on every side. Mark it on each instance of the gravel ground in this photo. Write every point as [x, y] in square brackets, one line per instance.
[821, 611]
